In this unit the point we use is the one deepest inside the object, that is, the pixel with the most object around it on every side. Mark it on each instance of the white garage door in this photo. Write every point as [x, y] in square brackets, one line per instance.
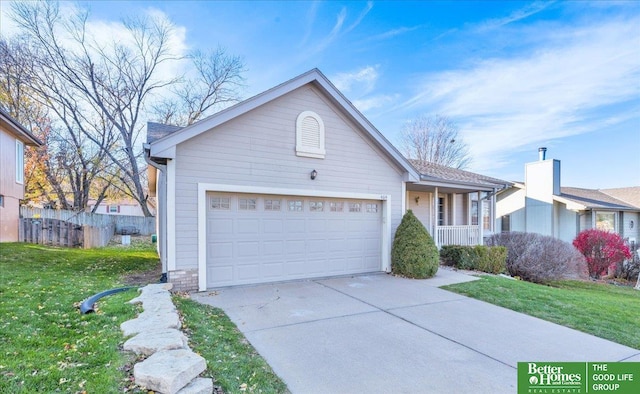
[267, 238]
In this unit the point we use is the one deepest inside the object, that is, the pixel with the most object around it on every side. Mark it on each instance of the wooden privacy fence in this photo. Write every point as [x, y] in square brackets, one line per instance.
[61, 233]
[142, 225]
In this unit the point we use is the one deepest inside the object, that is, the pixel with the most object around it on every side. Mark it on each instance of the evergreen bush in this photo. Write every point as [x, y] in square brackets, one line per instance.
[491, 259]
[414, 254]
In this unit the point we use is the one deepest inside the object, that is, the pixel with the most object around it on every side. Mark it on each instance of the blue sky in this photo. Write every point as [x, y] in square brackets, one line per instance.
[513, 75]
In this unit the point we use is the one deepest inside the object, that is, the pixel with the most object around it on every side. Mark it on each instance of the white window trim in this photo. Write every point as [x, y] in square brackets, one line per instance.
[204, 188]
[307, 151]
[19, 162]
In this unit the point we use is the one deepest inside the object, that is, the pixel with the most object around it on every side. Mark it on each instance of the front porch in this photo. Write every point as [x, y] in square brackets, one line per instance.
[453, 216]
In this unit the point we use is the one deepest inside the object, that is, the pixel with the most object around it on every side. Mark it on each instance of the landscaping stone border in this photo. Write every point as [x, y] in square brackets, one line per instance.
[171, 367]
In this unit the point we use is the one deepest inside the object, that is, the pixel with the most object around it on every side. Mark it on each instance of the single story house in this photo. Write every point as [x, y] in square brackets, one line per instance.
[296, 183]
[116, 207]
[13, 138]
[541, 205]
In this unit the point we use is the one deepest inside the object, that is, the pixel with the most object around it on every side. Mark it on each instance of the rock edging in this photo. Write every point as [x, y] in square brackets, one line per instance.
[171, 366]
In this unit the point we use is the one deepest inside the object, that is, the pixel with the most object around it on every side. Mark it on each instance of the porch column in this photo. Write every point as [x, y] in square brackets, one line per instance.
[436, 217]
[492, 213]
[453, 209]
[480, 218]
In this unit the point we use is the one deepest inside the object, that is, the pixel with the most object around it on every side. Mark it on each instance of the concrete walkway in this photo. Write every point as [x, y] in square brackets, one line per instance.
[379, 333]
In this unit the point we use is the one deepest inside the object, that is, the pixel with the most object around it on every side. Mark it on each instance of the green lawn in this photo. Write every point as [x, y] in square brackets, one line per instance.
[604, 310]
[46, 345]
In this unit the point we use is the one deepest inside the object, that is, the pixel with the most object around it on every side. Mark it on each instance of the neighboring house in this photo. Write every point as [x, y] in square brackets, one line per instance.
[296, 183]
[121, 207]
[13, 138]
[541, 205]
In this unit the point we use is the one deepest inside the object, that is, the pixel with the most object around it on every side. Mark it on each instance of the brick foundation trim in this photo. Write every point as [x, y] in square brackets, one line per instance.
[184, 280]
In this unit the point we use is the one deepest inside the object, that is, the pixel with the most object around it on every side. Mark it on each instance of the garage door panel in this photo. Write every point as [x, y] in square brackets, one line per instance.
[337, 246]
[371, 262]
[248, 273]
[248, 226]
[315, 246]
[317, 225]
[295, 247]
[272, 270]
[295, 268]
[272, 226]
[295, 226]
[220, 226]
[248, 249]
[220, 250]
[270, 248]
[220, 274]
[317, 237]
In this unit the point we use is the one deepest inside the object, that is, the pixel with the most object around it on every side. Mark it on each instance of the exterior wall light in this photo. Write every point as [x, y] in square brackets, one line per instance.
[417, 200]
[314, 174]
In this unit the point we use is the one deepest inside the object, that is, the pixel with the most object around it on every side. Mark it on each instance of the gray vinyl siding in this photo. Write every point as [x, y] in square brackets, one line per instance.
[538, 217]
[258, 149]
[567, 226]
[422, 209]
[585, 220]
[627, 231]
[462, 209]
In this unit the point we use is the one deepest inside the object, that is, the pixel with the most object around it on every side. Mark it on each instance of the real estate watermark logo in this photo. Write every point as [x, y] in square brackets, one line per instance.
[578, 377]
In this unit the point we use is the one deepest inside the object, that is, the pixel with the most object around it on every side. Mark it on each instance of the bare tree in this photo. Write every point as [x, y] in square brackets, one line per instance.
[63, 170]
[101, 90]
[216, 83]
[434, 139]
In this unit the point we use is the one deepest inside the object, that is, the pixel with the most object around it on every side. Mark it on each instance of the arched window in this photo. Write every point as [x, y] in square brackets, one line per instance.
[310, 135]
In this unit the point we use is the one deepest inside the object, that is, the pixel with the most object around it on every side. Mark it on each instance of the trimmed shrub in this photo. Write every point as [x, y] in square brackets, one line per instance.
[480, 257]
[491, 259]
[603, 250]
[456, 256]
[539, 258]
[414, 254]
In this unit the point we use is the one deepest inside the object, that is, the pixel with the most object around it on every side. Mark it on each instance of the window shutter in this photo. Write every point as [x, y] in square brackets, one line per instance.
[310, 135]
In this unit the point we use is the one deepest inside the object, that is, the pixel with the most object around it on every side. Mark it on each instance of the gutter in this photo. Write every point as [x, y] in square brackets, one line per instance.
[161, 168]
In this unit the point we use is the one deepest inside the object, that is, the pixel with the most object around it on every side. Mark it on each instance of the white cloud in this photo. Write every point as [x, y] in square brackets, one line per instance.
[338, 30]
[522, 13]
[363, 80]
[393, 33]
[378, 101]
[558, 90]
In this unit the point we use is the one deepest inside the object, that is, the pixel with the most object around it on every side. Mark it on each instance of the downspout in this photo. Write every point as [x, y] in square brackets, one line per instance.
[162, 168]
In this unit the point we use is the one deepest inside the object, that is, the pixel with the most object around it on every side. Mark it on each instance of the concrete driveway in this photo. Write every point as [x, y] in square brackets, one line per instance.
[379, 333]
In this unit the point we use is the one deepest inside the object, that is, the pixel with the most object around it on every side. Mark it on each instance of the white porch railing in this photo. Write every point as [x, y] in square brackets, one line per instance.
[458, 235]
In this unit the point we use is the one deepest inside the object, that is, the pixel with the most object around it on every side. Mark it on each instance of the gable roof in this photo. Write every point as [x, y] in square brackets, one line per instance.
[630, 195]
[164, 147]
[24, 135]
[594, 199]
[156, 131]
[436, 172]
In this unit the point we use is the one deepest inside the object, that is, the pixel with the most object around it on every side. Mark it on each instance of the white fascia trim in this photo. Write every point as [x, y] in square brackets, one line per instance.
[171, 215]
[369, 127]
[386, 235]
[472, 187]
[203, 188]
[404, 197]
[168, 153]
[202, 237]
[571, 205]
[213, 187]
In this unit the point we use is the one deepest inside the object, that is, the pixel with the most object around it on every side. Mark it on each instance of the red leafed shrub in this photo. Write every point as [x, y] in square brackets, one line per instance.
[602, 250]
